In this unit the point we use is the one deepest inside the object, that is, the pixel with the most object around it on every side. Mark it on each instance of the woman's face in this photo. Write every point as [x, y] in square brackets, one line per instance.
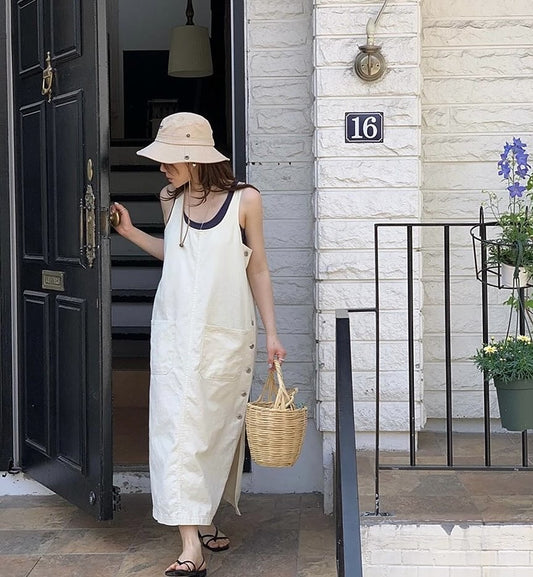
[177, 174]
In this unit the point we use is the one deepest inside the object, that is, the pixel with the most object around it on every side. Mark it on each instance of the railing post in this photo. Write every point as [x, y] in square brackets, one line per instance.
[349, 563]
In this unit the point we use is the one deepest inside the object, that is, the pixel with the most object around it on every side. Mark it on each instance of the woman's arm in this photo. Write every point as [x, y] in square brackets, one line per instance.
[150, 244]
[251, 218]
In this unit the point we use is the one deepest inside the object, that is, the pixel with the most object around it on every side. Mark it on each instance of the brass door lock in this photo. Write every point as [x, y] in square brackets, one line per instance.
[114, 217]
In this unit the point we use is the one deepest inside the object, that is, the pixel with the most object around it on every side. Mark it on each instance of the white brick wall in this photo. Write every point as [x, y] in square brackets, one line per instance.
[280, 163]
[458, 85]
[358, 185]
[477, 75]
[448, 550]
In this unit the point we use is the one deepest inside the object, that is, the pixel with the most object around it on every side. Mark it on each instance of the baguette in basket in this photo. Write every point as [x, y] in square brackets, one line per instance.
[275, 427]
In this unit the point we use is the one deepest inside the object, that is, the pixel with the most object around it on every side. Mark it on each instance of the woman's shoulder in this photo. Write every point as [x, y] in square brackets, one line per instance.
[248, 192]
[250, 197]
[168, 193]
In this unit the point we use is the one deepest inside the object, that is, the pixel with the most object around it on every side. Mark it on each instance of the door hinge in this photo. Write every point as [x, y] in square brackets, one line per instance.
[117, 504]
[11, 469]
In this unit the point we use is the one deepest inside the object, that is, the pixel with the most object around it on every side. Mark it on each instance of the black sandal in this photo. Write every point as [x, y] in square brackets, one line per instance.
[215, 538]
[194, 572]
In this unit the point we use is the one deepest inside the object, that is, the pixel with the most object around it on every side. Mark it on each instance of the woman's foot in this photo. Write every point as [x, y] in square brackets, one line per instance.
[191, 561]
[212, 538]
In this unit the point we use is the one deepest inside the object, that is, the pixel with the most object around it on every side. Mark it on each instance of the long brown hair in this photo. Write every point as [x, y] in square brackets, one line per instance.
[213, 177]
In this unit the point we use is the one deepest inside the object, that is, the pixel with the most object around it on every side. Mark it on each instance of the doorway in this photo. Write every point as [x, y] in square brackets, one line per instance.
[141, 93]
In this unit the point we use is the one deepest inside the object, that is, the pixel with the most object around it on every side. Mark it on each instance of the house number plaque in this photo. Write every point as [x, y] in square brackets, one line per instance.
[363, 127]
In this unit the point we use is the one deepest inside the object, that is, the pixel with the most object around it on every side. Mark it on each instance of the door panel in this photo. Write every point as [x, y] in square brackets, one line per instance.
[66, 28]
[36, 382]
[71, 317]
[33, 182]
[68, 173]
[64, 283]
[30, 17]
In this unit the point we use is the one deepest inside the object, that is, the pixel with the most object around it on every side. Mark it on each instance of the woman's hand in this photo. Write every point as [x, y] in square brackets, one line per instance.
[275, 350]
[150, 244]
[125, 226]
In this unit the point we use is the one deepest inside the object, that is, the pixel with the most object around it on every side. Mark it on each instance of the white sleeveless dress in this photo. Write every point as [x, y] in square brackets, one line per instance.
[202, 355]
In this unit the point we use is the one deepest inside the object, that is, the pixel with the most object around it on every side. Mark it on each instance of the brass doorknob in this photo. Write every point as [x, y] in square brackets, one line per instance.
[114, 218]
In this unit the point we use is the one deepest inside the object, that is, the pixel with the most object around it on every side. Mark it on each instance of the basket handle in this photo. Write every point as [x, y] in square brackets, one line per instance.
[280, 398]
[283, 397]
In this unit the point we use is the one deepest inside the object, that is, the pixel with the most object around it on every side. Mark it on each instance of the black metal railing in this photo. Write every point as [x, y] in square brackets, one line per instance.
[348, 529]
[346, 499]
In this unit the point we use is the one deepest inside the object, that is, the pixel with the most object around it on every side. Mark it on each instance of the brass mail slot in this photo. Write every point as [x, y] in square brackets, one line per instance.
[53, 280]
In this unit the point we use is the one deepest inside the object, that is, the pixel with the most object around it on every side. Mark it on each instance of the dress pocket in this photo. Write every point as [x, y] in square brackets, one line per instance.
[226, 353]
[162, 347]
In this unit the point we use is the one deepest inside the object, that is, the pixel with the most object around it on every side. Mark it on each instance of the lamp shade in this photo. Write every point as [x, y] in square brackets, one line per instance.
[190, 52]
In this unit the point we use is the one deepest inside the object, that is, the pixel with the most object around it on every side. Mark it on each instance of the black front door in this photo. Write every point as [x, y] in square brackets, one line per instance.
[61, 117]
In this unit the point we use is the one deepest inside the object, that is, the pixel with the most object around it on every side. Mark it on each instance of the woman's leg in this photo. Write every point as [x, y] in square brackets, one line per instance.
[192, 549]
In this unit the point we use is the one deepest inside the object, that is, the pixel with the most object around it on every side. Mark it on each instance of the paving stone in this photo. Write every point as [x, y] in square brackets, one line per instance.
[78, 566]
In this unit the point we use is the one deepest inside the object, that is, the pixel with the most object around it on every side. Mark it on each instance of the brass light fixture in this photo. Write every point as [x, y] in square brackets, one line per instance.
[190, 49]
[370, 64]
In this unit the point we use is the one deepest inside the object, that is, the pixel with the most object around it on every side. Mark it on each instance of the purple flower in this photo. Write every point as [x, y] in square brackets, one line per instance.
[506, 149]
[517, 143]
[514, 163]
[521, 170]
[505, 168]
[516, 189]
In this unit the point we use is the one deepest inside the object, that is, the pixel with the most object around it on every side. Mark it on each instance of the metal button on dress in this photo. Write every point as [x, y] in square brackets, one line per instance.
[244, 394]
[248, 370]
[239, 417]
[186, 157]
[246, 253]
[252, 346]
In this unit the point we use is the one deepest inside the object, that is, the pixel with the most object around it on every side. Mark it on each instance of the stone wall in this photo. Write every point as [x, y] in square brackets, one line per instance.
[446, 550]
[281, 164]
[477, 75]
[280, 133]
[457, 86]
[358, 185]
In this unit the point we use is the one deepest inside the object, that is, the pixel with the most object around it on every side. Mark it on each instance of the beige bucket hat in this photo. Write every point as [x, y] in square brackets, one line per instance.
[183, 137]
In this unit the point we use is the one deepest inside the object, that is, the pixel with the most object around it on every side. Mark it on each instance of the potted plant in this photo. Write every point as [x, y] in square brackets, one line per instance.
[509, 363]
[511, 251]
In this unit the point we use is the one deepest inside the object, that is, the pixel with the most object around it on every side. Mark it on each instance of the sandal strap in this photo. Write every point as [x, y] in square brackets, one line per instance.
[205, 535]
[212, 537]
[189, 563]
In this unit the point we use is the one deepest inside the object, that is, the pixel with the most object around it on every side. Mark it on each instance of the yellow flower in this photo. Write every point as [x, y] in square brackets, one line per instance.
[523, 338]
[489, 349]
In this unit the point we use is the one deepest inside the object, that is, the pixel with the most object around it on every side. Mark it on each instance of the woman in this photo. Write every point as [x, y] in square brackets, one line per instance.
[203, 332]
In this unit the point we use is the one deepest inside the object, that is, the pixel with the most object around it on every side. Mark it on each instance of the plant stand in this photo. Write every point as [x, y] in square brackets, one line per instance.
[489, 251]
[515, 398]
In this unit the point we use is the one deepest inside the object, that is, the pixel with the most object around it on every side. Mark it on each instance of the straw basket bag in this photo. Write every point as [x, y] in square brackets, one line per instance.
[274, 426]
